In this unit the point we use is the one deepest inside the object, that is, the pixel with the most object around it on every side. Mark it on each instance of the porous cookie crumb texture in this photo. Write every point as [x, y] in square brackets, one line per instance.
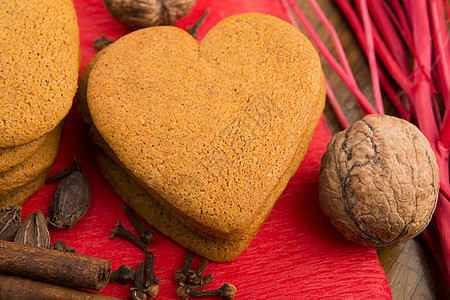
[12, 156]
[33, 166]
[82, 88]
[39, 65]
[19, 195]
[214, 130]
[379, 181]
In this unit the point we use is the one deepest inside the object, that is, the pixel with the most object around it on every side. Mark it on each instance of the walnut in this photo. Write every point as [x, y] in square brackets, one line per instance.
[145, 13]
[379, 181]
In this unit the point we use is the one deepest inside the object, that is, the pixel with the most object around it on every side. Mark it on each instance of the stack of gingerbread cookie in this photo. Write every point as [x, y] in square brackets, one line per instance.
[39, 66]
[201, 140]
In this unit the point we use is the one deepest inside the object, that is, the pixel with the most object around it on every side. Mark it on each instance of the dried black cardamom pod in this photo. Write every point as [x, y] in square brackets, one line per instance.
[71, 200]
[9, 222]
[33, 231]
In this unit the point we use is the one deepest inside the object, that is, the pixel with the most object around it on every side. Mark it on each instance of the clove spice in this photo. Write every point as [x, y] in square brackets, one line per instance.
[182, 274]
[123, 275]
[63, 173]
[145, 233]
[137, 291]
[190, 280]
[61, 246]
[151, 283]
[33, 231]
[227, 291]
[121, 231]
[9, 222]
[71, 200]
[185, 290]
[195, 277]
[102, 42]
[193, 30]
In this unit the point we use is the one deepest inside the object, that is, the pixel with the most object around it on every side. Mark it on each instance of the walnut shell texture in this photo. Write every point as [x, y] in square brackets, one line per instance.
[379, 181]
[145, 13]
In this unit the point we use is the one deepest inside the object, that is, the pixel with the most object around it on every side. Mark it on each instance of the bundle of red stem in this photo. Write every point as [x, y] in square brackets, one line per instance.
[406, 44]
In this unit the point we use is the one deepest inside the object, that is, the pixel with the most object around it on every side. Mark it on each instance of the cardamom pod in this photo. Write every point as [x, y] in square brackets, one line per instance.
[71, 200]
[9, 222]
[33, 231]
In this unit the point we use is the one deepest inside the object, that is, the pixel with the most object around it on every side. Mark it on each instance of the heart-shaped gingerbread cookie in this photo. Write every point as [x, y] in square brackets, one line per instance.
[214, 131]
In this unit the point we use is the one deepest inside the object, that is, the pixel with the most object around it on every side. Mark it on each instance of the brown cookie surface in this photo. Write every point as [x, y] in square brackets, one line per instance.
[13, 156]
[39, 64]
[19, 195]
[215, 130]
[33, 166]
[149, 209]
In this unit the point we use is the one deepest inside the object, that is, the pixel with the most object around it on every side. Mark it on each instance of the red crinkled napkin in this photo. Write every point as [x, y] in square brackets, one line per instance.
[297, 254]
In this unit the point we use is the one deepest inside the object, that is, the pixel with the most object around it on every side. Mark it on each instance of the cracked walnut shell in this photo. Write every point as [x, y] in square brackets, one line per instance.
[145, 13]
[379, 181]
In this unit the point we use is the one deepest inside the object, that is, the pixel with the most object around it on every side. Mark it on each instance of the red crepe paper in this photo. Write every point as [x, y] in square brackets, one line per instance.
[297, 254]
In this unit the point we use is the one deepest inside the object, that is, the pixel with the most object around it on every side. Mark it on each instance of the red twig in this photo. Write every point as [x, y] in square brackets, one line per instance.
[394, 97]
[400, 20]
[385, 20]
[289, 14]
[437, 232]
[335, 104]
[370, 52]
[383, 53]
[409, 22]
[418, 12]
[442, 56]
[359, 32]
[335, 39]
[447, 8]
[363, 102]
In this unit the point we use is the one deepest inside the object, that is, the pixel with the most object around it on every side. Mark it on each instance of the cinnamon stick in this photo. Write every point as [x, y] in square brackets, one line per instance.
[12, 288]
[55, 267]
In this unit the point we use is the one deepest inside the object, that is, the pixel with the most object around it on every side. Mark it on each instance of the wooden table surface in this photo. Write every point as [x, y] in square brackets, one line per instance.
[410, 268]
